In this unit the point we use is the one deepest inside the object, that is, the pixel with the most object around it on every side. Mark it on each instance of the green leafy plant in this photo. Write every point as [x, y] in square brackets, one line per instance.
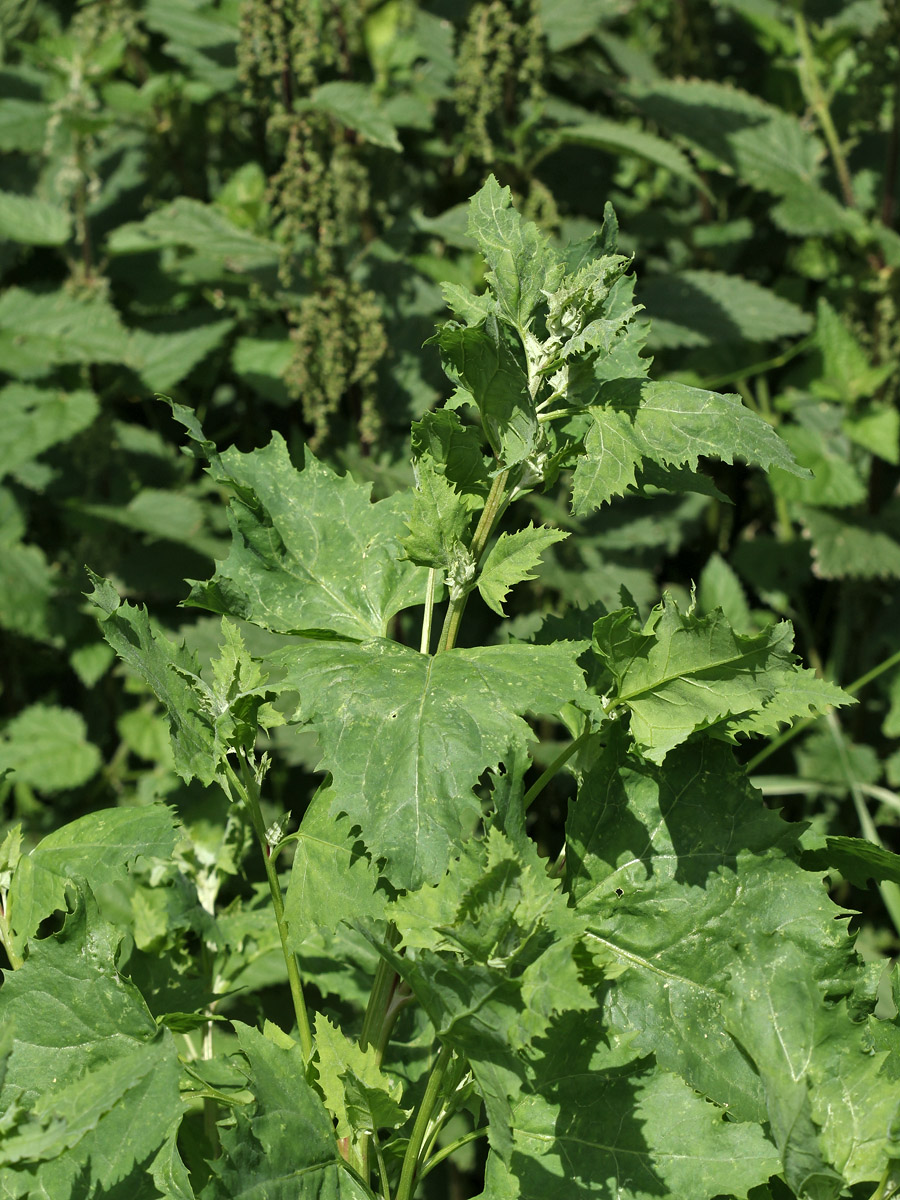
[669, 1005]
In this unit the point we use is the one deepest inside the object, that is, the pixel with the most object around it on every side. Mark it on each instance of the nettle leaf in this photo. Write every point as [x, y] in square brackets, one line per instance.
[671, 424]
[406, 736]
[285, 1146]
[34, 419]
[518, 255]
[688, 881]
[683, 672]
[830, 1096]
[593, 1115]
[46, 747]
[845, 545]
[310, 552]
[86, 1056]
[98, 848]
[358, 1093]
[511, 560]
[491, 954]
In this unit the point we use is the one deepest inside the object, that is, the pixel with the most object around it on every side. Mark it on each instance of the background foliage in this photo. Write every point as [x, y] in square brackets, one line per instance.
[252, 207]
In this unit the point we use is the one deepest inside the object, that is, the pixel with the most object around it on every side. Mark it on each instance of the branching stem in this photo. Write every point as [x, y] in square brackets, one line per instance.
[815, 98]
[493, 509]
[555, 767]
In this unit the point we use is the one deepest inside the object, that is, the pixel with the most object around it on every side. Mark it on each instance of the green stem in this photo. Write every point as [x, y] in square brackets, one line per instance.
[815, 97]
[807, 722]
[493, 508]
[425, 644]
[420, 1128]
[555, 767]
[377, 1024]
[446, 1151]
[890, 892]
[249, 789]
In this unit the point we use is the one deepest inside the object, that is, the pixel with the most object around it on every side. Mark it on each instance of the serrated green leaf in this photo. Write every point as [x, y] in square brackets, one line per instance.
[518, 255]
[357, 106]
[34, 419]
[857, 547]
[511, 560]
[87, 1058]
[618, 138]
[670, 424]
[828, 1109]
[492, 368]
[173, 674]
[857, 859]
[492, 958]
[455, 450]
[285, 1148]
[440, 523]
[592, 1121]
[32, 221]
[47, 748]
[406, 736]
[332, 878]
[98, 848]
[683, 672]
[767, 147]
[310, 552]
[358, 1093]
[677, 872]
[709, 308]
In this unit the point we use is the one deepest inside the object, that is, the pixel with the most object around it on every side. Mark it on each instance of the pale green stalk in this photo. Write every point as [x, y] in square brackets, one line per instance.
[493, 509]
[408, 1173]
[249, 789]
[425, 644]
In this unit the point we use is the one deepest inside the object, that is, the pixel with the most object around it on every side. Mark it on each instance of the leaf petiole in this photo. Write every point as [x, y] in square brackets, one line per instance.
[408, 1173]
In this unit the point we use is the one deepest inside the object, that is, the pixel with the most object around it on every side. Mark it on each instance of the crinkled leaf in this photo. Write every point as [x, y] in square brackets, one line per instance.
[828, 1094]
[492, 368]
[454, 448]
[199, 738]
[518, 255]
[671, 424]
[358, 1093]
[683, 672]
[87, 1062]
[492, 958]
[406, 736]
[512, 559]
[310, 552]
[594, 1121]
[440, 522]
[678, 871]
[284, 1147]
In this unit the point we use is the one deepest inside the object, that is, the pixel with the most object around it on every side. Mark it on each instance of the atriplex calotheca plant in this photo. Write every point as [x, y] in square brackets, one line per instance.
[672, 1008]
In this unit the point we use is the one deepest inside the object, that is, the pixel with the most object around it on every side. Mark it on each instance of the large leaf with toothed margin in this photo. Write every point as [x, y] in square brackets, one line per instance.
[310, 553]
[670, 424]
[406, 735]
